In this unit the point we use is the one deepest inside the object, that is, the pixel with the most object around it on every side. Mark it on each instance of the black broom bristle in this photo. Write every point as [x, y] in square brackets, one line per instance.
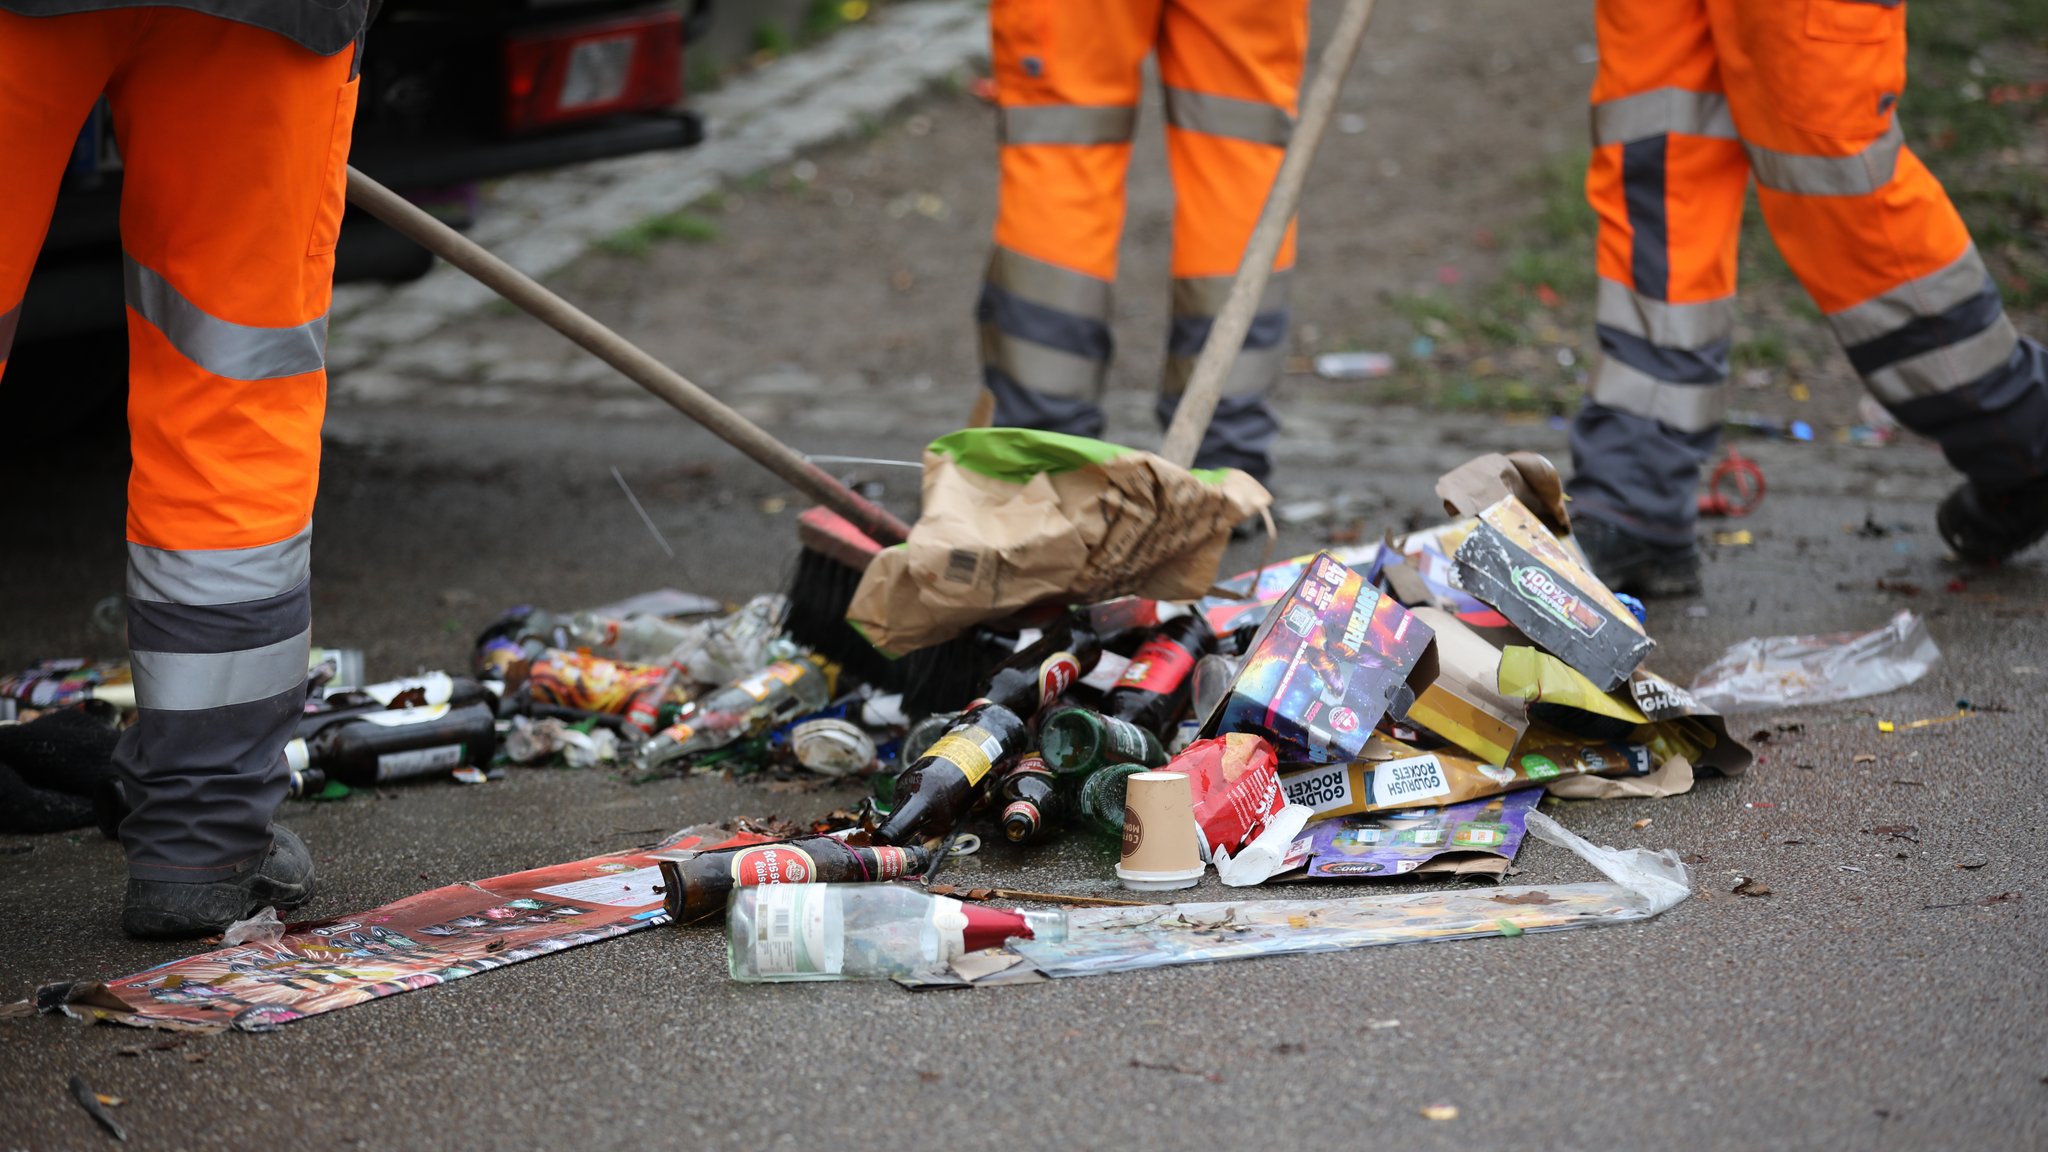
[828, 571]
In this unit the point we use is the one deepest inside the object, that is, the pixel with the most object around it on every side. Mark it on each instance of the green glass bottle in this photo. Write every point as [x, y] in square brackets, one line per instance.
[1075, 742]
[1101, 798]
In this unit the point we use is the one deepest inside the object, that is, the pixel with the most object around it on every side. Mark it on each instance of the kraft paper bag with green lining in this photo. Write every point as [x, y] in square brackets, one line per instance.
[1015, 517]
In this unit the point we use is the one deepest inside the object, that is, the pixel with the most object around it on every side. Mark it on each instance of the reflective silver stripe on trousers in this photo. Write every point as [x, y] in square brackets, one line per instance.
[1204, 295]
[191, 681]
[1251, 374]
[1682, 407]
[219, 575]
[1857, 175]
[1066, 123]
[9, 321]
[1040, 368]
[236, 351]
[1944, 369]
[1048, 284]
[1929, 295]
[1227, 116]
[1688, 326]
[1660, 111]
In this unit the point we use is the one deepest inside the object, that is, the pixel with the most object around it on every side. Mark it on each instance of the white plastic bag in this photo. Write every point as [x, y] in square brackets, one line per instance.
[1780, 671]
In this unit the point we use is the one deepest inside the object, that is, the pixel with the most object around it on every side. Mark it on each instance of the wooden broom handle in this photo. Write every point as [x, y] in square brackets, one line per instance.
[1234, 319]
[664, 382]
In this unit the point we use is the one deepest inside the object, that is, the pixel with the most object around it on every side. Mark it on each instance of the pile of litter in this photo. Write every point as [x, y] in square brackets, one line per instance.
[1383, 710]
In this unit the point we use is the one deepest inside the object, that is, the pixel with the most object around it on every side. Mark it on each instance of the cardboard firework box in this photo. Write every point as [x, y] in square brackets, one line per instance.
[1333, 655]
[1513, 562]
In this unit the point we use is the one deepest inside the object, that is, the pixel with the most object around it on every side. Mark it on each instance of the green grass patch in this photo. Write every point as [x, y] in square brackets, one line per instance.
[639, 239]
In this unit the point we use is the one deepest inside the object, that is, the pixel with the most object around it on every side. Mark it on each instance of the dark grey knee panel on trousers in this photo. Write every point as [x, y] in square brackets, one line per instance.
[219, 642]
[1634, 472]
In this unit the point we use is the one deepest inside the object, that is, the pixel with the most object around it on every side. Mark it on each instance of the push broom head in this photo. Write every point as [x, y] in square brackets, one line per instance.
[834, 556]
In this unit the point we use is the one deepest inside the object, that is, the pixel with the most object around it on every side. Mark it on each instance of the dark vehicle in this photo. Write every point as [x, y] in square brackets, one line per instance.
[453, 92]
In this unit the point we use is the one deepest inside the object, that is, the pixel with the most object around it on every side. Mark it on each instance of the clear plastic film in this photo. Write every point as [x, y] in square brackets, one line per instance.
[1780, 671]
[1640, 884]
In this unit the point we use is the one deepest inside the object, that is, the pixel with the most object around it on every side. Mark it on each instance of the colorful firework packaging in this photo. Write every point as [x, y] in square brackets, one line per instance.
[1513, 562]
[1329, 661]
[1391, 775]
[1476, 838]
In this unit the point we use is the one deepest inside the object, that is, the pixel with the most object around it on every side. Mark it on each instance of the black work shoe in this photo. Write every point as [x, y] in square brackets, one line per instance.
[1628, 563]
[1987, 528]
[168, 910]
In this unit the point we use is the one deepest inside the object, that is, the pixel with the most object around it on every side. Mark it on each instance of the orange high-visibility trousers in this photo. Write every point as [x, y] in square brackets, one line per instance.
[1692, 100]
[233, 142]
[1067, 82]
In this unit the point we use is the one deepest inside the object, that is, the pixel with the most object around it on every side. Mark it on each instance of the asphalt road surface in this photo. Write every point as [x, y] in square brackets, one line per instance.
[1871, 1000]
[1882, 995]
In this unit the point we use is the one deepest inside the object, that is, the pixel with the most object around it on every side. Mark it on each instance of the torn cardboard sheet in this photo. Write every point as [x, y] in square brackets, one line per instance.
[420, 941]
[1486, 480]
[1671, 778]
[1641, 884]
[1476, 838]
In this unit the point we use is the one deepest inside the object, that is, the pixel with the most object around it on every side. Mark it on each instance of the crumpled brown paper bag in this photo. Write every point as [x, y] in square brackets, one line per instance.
[1014, 517]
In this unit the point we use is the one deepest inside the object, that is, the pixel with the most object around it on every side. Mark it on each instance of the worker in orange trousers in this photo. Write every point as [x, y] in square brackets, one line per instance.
[1067, 83]
[1694, 99]
[233, 120]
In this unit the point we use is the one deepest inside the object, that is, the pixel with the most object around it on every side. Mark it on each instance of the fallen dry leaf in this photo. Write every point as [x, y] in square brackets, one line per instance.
[1290, 1048]
[1904, 832]
[1999, 898]
[930, 1077]
[1973, 865]
[1639, 825]
[1439, 1111]
[1750, 886]
[1536, 897]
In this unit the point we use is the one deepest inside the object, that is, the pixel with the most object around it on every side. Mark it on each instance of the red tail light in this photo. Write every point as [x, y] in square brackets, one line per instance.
[578, 72]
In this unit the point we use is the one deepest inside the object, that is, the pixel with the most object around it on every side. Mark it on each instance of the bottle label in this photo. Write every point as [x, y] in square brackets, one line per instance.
[762, 683]
[972, 750]
[400, 717]
[418, 762]
[1129, 743]
[1160, 666]
[1057, 674]
[789, 931]
[890, 863]
[773, 864]
[1406, 781]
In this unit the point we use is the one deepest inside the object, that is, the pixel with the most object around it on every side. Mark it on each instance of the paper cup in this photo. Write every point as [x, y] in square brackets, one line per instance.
[1160, 848]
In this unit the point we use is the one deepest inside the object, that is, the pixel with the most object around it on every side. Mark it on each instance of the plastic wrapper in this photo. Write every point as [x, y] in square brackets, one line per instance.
[1236, 786]
[1781, 671]
[736, 645]
[1640, 884]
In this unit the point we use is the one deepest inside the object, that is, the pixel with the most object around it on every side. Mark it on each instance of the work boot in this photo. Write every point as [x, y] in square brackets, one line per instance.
[1626, 562]
[1985, 528]
[169, 910]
